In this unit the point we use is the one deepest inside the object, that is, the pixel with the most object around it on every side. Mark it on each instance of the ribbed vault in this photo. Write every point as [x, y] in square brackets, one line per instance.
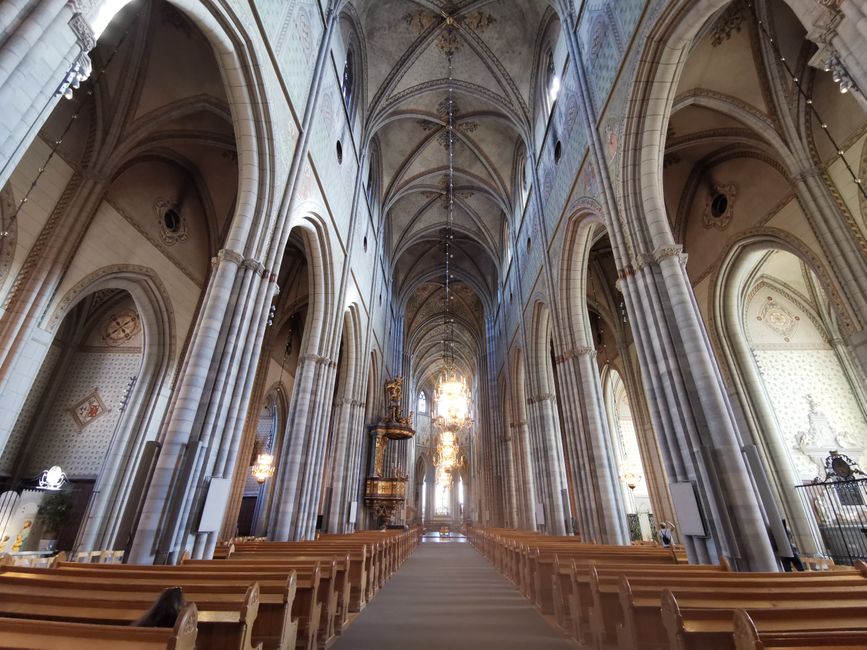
[492, 46]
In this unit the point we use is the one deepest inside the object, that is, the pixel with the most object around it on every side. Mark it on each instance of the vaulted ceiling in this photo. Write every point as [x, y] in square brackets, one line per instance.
[492, 45]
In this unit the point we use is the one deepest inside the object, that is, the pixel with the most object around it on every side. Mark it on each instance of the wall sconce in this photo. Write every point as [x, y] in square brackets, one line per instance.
[52, 479]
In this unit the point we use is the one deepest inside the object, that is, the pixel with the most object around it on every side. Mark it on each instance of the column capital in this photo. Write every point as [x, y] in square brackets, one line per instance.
[228, 255]
[803, 174]
[317, 359]
[574, 353]
[254, 265]
[658, 255]
[543, 397]
[664, 252]
[83, 33]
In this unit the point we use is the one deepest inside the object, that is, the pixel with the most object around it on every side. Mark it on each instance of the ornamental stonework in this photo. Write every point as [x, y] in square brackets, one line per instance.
[778, 319]
[730, 23]
[719, 206]
[171, 222]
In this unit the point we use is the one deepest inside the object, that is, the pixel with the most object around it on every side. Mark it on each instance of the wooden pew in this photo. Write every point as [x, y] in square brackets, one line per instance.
[360, 563]
[596, 609]
[286, 594]
[357, 572]
[340, 565]
[37, 634]
[542, 561]
[641, 600]
[748, 637]
[226, 613]
[696, 621]
[323, 581]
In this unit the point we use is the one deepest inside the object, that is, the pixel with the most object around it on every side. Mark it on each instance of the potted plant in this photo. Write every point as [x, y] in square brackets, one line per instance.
[53, 513]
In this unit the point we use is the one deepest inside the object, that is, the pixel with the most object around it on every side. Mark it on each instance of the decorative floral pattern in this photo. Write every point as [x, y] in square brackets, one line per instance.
[796, 379]
[778, 318]
[121, 327]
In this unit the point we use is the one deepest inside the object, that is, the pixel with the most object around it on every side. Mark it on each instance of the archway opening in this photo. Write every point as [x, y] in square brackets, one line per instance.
[802, 391]
[630, 469]
[75, 415]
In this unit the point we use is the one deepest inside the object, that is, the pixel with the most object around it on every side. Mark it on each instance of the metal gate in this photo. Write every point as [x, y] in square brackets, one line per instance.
[839, 505]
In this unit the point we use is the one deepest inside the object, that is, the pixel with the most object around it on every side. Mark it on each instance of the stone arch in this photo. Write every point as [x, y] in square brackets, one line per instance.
[627, 449]
[584, 229]
[545, 54]
[145, 286]
[541, 380]
[662, 60]
[246, 91]
[275, 396]
[766, 238]
[760, 415]
[319, 333]
[142, 416]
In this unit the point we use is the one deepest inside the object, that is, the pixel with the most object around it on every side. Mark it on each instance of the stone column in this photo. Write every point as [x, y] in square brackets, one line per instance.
[548, 450]
[300, 468]
[651, 462]
[203, 433]
[691, 412]
[689, 407]
[345, 418]
[45, 51]
[511, 509]
[591, 453]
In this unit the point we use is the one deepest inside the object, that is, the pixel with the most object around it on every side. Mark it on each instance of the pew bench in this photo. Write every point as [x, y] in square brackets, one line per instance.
[748, 637]
[226, 614]
[335, 586]
[367, 554]
[595, 603]
[286, 594]
[50, 635]
[708, 623]
[543, 560]
[642, 623]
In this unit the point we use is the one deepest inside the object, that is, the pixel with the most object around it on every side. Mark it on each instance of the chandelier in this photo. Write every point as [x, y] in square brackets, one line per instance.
[263, 469]
[452, 396]
[453, 402]
[630, 473]
[448, 457]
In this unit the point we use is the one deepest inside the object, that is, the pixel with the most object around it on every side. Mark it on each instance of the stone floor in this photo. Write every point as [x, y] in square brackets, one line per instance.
[448, 596]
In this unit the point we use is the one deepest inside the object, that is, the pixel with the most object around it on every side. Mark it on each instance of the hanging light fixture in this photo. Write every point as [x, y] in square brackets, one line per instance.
[448, 457]
[452, 396]
[630, 473]
[264, 468]
[453, 402]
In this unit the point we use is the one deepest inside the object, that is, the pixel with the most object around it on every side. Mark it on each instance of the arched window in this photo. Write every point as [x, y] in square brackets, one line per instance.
[552, 81]
[370, 182]
[348, 79]
[422, 402]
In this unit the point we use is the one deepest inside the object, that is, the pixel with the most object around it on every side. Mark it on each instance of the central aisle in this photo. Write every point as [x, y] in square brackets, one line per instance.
[447, 596]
